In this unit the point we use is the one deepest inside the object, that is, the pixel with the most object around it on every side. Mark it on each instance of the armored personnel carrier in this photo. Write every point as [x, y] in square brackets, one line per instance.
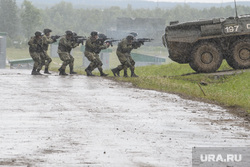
[205, 43]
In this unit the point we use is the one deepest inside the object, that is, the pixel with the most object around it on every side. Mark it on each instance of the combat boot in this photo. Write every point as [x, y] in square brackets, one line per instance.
[116, 72]
[103, 74]
[33, 72]
[88, 71]
[72, 71]
[60, 71]
[46, 71]
[63, 72]
[125, 73]
[133, 74]
[38, 72]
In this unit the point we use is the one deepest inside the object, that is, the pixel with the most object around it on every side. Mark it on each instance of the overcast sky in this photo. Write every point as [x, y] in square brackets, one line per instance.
[202, 1]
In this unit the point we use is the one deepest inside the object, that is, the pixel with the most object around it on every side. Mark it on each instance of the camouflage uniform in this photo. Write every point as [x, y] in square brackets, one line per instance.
[35, 50]
[92, 50]
[64, 48]
[45, 58]
[123, 53]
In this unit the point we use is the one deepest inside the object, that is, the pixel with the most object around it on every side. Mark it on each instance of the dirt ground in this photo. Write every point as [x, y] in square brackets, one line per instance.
[79, 121]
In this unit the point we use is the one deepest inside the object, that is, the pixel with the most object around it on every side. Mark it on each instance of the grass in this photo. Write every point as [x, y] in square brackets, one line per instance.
[227, 90]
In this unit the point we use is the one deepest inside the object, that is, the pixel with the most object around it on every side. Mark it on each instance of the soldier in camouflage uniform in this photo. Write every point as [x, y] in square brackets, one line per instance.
[35, 50]
[93, 47]
[64, 48]
[123, 53]
[45, 58]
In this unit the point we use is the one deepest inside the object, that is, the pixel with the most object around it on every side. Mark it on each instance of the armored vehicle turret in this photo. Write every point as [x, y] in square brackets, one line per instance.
[205, 43]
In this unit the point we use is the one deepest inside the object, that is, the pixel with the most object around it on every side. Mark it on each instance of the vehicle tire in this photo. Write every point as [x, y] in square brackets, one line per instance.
[206, 57]
[239, 56]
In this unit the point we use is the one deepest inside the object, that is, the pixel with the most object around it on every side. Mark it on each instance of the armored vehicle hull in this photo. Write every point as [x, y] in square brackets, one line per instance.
[204, 44]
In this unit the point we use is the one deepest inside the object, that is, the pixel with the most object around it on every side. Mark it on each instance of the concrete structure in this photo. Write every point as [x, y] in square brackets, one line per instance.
[53, 50]
[145, 60]
[21, 63]
[3, 49]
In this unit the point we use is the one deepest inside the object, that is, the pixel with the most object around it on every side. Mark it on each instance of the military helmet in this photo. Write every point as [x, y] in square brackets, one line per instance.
[46, 30]
[102, 36]
[130, 37]
[38, 33]
[134, 34]
[68, 32]
[94, 33]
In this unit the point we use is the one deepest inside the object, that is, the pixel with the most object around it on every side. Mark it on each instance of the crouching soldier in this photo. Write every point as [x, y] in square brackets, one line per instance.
[123, 53]
[65, 46]
[35, 50]
[93, 47]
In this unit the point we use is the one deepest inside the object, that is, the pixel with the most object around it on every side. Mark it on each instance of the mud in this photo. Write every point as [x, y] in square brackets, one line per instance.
[77, 121]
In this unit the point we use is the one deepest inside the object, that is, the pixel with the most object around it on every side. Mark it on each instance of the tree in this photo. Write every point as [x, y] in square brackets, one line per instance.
[8, 17]
[30, 18]
[60, 17]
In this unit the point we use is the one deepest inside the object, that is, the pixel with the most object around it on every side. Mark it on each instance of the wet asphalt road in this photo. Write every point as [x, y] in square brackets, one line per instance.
[77, 121]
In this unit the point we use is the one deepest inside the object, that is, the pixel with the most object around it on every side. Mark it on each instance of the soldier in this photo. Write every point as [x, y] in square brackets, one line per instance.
[35, 49]
[65, 46]
[45, 58]
[123, 53]
[93, 47]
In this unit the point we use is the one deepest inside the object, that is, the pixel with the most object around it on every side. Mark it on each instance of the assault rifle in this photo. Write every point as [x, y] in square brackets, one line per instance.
[100, 42]
[78, 39]
[104, 39]
[140, 41]
[110, 41]
[55, 37]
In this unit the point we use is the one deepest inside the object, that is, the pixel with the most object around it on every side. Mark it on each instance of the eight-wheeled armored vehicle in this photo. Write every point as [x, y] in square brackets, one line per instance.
[205, 43]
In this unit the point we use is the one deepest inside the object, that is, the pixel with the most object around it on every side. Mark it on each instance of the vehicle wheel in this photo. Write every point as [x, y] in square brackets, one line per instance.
[239, 57]
[206, 57]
